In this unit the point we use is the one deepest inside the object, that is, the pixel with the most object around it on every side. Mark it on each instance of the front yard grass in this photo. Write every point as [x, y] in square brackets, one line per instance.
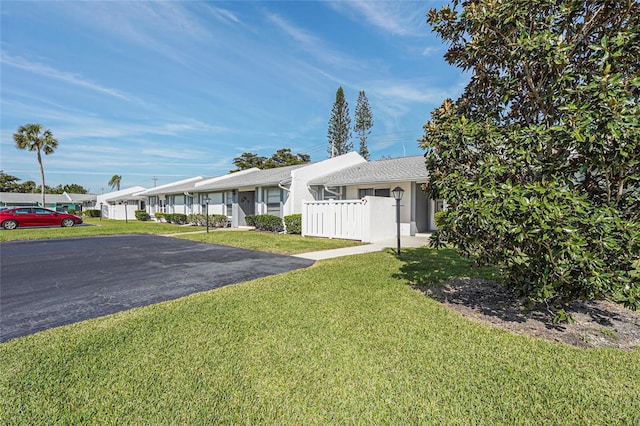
[252, 240]
[94, 227]
[346, 341]
[268, 241]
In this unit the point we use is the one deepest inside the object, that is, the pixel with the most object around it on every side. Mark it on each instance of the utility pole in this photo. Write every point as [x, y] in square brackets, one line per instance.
[154, 179]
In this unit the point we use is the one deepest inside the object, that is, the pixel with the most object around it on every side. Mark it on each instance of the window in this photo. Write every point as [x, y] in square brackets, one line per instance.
[229, 201]
[214, 197]
[273, 197]
[43, 211]
[378, 192]
[23, 211]
[332, 193]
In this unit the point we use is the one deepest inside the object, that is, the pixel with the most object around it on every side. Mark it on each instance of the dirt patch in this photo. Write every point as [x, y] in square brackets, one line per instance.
[596, 323]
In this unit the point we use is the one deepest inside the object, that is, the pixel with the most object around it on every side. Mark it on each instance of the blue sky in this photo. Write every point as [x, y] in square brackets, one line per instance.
[177, 89]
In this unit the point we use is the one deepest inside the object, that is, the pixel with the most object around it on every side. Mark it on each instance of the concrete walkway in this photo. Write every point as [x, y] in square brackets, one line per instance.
[418, 240]
[405, 242]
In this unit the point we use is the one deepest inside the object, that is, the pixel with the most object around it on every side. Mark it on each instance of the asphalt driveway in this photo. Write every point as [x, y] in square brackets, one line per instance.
[48, 283]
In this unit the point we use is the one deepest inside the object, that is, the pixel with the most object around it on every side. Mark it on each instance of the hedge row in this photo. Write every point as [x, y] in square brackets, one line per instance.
[215, 220]
[177, 218]
[265, 222]
[271, 223]
[142, 215]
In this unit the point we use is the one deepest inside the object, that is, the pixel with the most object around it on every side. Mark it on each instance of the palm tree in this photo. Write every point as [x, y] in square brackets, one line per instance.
[114, 182]
[30, 137]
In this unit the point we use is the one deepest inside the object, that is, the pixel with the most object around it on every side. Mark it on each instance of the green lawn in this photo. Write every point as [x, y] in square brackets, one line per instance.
[253, 240]
[346, 341]
[94, 227]
[269, 242]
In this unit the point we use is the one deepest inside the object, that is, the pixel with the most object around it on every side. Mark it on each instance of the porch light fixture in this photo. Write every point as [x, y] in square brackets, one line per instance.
[397, 193]
[206, 203]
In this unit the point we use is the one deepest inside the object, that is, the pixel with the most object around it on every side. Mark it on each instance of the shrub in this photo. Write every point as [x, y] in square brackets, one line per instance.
[293, 224]
[251, 220]
[219, 220]
[142, 215]
[215, 220]
[266, 222]
[73, 211]
[177, 218]
[91, 213]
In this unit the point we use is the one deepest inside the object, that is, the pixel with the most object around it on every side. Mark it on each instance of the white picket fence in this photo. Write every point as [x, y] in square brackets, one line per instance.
[333, 219]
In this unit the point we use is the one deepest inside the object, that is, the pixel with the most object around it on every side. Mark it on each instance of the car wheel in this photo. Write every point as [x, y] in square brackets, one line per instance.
[9, 224]
[67, 222]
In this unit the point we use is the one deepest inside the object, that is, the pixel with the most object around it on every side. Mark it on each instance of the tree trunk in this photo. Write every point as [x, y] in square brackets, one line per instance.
[42, 190]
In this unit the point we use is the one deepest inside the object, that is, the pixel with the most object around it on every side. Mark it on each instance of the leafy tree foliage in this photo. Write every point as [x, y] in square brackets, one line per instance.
[364, 123]
[248, 160]
[115, 182]
[72, 188]
[8, 183]
[33, 138]
[282, 157]
[539, 159]
[339, 131]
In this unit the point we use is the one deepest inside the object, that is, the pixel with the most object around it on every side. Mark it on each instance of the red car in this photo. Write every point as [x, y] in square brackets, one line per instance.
[36, 216]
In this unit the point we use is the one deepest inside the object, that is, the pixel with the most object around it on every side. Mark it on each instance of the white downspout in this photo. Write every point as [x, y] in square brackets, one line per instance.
[326, 188]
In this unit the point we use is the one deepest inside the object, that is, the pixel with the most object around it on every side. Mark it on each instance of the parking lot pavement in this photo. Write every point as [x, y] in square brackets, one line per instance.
[48, 283]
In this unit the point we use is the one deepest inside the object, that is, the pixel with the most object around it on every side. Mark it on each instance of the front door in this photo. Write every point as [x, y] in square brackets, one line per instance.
[246, 205]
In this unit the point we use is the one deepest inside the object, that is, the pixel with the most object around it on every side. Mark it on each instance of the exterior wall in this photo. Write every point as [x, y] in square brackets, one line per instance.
[120, 211]
[379, 219]
[376, 218]
[299, 189]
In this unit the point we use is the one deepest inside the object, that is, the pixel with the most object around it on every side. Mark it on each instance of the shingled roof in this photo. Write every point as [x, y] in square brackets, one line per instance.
[30, 198]
[174, 187]
[404, 169]
[266, 177]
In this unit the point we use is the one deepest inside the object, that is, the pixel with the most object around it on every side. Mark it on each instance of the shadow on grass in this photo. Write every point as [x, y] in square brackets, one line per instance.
[428, 266]
[445, 276]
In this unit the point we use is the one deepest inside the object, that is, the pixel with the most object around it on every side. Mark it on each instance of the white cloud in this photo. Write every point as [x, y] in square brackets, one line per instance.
[67, 77]
[401, 18]
[314, 45]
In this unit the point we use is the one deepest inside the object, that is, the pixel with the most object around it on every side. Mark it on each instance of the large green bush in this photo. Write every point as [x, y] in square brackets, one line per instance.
[293, 224]
[215, 220]
[176, 218]
[265, 222]
[539, 159]
[142, 215]
[91, 213]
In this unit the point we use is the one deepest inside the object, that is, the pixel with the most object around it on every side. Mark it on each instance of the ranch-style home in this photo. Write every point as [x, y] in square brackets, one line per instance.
[340, 197]
[58, 202]
[121, 204]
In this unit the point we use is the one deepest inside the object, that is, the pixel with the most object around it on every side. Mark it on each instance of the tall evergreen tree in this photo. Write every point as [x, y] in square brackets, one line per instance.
[339, 131]
[364, 123]
[30, 137]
